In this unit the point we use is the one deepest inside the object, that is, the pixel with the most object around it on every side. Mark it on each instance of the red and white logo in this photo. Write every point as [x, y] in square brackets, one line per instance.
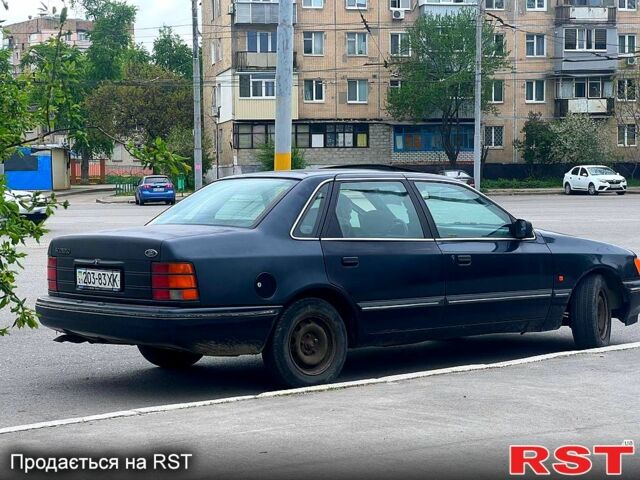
[571, 460]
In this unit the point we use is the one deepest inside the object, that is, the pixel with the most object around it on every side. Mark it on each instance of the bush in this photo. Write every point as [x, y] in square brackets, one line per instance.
[266, 156]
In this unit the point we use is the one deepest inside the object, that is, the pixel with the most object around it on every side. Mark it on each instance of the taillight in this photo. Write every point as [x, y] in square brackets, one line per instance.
[52, 274]
[169, 185]
[174, 282]
[637, 262]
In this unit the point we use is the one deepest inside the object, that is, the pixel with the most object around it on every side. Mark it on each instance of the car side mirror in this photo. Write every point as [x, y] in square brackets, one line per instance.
[521, 229]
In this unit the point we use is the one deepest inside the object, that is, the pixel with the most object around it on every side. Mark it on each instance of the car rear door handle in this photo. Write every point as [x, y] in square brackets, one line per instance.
[463, 260]
[350, 261]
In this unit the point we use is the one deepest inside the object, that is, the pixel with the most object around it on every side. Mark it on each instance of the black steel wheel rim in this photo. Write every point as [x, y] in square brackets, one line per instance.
[603, 316]
[312, 346]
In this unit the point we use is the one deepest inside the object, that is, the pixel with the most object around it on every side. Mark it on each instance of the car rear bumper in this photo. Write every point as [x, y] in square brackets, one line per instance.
[632, 294]
[207, 331]
[157, 196]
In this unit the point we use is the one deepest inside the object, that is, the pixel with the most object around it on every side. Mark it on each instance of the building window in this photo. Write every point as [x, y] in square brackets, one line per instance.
[626, 4]
[400, 4]
[535, 45]
[216, 50]
[83, 36]
[428, 138]
[627, 135]
[498, 40]
[585, 39]
[534, 91]
[313, 43]
[594, 88]
[497, 91]
[357, 91]
[356, 43]
[627, 90]
[216, 8]
[627, 44]
[400, 44]
[313, 91]
[331, 135]
[357, 4]
[258, 85]
[495, 5]
[494, 137]
[312, 3]
[395, 83]
[247, 135]
[262, 42]
[536, 4]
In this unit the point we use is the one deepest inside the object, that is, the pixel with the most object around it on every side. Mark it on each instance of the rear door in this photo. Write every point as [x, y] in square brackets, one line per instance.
[378, 248]
[490, 276]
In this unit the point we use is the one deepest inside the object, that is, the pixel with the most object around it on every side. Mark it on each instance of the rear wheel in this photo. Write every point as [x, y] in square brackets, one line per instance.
[166, 358]
[137, 200]
[591, 313]
[308, 346]
[592, 189]
[567, 189]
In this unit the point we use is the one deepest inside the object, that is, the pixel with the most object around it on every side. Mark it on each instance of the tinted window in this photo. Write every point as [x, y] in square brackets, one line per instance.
[151, 180]
[376, 210]
[236, 203]
[459, 212]
[309, 223]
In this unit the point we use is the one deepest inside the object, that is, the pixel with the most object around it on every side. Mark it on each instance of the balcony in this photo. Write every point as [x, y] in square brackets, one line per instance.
[252, 11]
[444, 7]
[585, 11]
[245, 61]
[594, 106]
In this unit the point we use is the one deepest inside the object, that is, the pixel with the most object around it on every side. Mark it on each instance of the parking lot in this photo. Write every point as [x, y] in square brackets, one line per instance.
[43, 380]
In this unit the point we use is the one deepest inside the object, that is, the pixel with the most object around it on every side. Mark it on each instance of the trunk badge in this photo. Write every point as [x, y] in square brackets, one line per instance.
[151, 253]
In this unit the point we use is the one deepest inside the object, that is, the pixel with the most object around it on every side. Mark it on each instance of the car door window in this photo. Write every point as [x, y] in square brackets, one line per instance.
[460, 212]
[309, 223]
[375, 210]
[583, 172]
[575, 171]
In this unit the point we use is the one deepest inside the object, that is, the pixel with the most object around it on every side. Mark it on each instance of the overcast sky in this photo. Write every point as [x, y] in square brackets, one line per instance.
[152, 14]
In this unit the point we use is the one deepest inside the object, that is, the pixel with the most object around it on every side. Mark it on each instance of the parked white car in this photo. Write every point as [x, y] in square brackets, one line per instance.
[594, 179]
[36, 213]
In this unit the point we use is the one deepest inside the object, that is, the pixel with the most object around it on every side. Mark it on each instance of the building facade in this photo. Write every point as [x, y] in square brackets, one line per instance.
[565, 55]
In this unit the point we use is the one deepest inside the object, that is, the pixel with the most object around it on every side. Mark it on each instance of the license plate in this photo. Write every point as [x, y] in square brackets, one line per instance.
[158, 189]
[92, 279]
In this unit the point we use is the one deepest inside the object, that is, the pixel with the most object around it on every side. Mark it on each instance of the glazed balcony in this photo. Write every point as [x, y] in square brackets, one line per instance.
[256, 12]
[602, 107]
[585, 11]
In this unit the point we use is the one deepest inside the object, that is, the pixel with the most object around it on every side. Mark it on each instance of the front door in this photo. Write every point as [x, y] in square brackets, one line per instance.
[378, 249]
[491, 277]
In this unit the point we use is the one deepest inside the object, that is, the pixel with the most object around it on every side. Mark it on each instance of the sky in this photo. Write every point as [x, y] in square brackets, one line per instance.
[152, 14]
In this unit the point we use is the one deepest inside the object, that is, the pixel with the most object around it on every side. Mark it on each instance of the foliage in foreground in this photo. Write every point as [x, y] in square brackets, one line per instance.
[267, 153]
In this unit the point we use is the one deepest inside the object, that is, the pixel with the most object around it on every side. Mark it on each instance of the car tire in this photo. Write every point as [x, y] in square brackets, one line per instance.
[592, 189]
[137, 201]
[567, 189]
[591, 313]
[308, 345]
[621, 193]
[141, 202]
[167, 358]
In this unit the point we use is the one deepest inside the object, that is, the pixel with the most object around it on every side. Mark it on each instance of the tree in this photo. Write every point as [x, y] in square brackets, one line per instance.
[538, 142]
[437, 78]
[180, 141]
[266, 156]
[157, 156]
[581, 139]
[172, 53]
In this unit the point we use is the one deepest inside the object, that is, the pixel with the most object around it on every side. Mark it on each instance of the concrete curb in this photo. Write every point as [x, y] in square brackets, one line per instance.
[82, 191]
[541, 191]
[113, 200]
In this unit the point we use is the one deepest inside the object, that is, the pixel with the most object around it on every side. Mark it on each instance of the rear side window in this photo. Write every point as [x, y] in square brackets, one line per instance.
[460, 212]
[375, 210]
[309, 224]
[235, 203]
[575, 171]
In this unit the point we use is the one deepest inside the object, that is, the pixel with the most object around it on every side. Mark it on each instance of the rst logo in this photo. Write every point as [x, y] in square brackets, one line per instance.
[568, 459]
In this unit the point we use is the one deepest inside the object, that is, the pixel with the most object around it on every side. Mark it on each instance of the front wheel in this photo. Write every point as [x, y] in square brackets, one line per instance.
[591, 313]
[592, 189]
[567, 189]
[621, 193]
[308, 346]
[170, 359]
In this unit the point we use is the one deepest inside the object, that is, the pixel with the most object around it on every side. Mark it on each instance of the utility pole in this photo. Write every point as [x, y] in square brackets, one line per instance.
[197, 100]
[284, 85]
[477, 135]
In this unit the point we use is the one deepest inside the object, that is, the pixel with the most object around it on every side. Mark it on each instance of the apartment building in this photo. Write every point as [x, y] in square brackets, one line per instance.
[566, 56]
[19, 37]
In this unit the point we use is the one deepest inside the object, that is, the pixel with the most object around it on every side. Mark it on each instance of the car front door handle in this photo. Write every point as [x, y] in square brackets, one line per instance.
[350, 261]
[463, 260]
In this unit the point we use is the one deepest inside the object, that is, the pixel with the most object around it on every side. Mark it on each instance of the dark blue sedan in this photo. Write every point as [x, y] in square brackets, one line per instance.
[155, 188]
[301, 266]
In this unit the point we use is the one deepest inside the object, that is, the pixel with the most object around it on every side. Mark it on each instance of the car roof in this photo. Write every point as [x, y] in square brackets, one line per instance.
[329, 173]
[593, 166]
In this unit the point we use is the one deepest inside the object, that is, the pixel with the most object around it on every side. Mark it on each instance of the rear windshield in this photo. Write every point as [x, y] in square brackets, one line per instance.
[156, 180]
[234, 203]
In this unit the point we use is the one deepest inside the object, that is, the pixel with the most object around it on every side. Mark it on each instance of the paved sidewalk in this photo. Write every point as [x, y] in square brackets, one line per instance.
[113, 199]
[456, 425]
[541, 191]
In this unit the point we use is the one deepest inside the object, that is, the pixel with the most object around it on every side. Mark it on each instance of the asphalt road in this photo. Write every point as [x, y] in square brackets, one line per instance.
[41, 380]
